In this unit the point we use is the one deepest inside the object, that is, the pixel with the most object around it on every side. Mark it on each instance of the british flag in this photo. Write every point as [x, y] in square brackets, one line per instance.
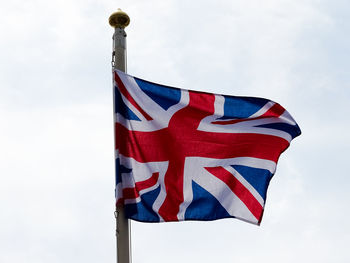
[188, 155]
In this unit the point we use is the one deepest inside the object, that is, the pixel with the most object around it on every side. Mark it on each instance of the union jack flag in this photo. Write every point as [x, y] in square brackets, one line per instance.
[188, 155]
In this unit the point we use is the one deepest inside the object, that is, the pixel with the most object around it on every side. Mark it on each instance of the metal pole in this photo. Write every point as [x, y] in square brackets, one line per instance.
[119, 20]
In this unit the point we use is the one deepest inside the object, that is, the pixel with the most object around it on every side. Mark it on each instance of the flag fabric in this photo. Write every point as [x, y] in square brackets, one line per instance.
[189, 155]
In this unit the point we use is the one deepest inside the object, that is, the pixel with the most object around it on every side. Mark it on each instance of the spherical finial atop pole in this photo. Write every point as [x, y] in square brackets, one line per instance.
[119, 19]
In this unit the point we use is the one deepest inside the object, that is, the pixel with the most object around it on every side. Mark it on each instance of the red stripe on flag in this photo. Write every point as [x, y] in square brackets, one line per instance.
[134, 192]
[147, 183]
[233, 121]
[130, 193]
[127, 95]
[149, 146]
[275, 111]
[238, 189]
[181, 141]
[237, 121]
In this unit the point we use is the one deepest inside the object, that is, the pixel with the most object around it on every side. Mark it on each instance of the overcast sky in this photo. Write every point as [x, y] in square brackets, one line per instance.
[56, 133]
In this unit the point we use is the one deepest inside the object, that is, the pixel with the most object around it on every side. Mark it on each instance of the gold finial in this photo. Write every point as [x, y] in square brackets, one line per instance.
[119, 19]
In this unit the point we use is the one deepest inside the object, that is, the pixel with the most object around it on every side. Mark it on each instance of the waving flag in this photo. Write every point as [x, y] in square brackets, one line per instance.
[187, 155]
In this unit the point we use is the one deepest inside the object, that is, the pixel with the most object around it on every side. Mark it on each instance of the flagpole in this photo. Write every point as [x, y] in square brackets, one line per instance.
[119, 20]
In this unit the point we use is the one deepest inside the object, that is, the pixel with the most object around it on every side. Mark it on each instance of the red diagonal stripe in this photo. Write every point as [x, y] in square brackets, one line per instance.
[238, 189]
[239, 120]
[134, 192]
[127, 95]
[275, 111]
[147, 183]
[130, 193]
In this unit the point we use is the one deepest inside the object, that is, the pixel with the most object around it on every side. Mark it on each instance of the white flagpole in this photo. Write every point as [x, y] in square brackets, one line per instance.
[119, 20]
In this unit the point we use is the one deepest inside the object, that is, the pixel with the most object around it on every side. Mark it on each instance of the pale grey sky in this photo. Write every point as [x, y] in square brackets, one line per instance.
[56, 135]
